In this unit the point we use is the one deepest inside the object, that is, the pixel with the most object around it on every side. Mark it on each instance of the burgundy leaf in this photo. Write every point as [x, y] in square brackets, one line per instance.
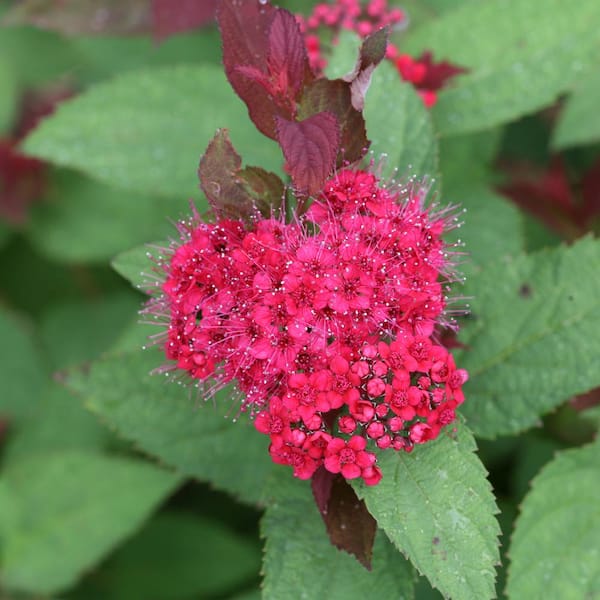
[287, 59]
[310, 148]
[174, 16]
[336, 97]
[244, 29]
[349, 524]
[372, 52]
[234, 192]
[265, 59]
[76, 17]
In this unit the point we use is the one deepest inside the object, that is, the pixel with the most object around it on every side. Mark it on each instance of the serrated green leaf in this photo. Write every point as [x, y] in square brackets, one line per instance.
[176, 555]
[531, 338]
[300, 561]
[437, 507]
[399, 126]
[556, 543]
[521, 56]
[83, 220]
[21, 368]
[72, 508]
[147, 130]
[578, 122]
[166, 420]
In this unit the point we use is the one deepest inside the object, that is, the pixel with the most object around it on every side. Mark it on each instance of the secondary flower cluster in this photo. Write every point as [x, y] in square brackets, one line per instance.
[325, 323]
[364, 19]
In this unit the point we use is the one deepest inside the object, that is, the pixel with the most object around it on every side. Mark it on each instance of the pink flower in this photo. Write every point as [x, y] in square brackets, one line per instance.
[323, 324]
[348, 458]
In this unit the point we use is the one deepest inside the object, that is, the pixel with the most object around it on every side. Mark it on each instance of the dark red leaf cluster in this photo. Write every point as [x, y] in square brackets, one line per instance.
[317, 122]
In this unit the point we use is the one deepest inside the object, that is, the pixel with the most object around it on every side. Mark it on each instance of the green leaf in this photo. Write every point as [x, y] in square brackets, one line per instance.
[437, 507]
[176, 555]
[556, 542]
[58, 423]
[532, 338]
[74, 332]
[82, 220]
[521, 57]
[399, 126]
[300, 561]
[108, 55]
[344, 54]
[72, 508]
[578, 122]
[135, 265]
[8, 98]
[484, 243]
[38, 57]
[166, 420]
[21, 368]
[147, 130]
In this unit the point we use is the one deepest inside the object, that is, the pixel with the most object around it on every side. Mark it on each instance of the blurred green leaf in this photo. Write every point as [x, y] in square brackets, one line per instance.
[437, 507]
[58, 423]
[578, 122]
[108, 55]
[82, 220]
[176, 556]
[521, 57]
[147, 130]
[556, 543]
[532, 339]
[72, 508]
[8, 97]
[299, 558]
[534, 452]
[80, 17]
[38, 57]
[75, 332]
[166, 419]
[399, 125]
[21, 368]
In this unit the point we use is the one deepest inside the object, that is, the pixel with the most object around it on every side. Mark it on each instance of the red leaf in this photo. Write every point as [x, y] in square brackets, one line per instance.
[336, 97]
[234, 192]
[287, 60]
[265, 59]
[349, 524]
[310, 148]
[174, 16]
[437, 74]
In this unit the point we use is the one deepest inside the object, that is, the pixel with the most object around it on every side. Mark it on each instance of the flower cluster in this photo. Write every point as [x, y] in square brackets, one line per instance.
[425, 75]
[324, 323]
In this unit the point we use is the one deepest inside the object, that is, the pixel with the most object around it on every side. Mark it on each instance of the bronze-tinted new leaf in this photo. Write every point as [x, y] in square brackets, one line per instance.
[234, 192]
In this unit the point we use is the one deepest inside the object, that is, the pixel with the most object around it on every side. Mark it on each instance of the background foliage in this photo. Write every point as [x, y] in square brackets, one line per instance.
[117, 484]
